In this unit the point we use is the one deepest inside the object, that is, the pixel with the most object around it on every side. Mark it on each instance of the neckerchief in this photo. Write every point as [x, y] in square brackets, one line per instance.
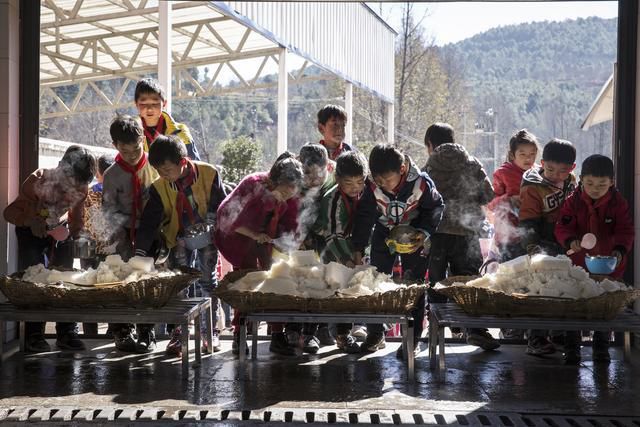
[333, 154]
[157, 131]
[136, 203]
[182, 201]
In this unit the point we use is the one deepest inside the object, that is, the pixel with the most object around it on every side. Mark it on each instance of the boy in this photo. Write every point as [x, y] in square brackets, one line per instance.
[150, 101]
[465, 188]
[187, 193]
[332, 120]
[104, 162]
[335, 224]
[401, 195]
[52, 199]
[595, 207]
[542, 193]
[125, 192]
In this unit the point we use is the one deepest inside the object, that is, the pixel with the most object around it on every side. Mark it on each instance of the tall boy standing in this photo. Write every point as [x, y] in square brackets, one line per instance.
[332, 121]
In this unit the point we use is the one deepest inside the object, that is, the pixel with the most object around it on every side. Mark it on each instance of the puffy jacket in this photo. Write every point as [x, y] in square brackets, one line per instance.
[464, 186]
[506, 183]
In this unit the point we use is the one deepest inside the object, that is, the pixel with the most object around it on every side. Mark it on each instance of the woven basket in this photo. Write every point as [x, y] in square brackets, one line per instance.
[154, 292]
[479, 301]
[399, 301]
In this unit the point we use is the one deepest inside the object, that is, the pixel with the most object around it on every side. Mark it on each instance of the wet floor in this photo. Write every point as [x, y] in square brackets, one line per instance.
[506, 380]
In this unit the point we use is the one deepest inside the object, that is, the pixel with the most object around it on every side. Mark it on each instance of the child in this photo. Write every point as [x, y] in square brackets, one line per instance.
[523, 149]
[104, 162]
[542, 193]
[595, 207]
[125, 193]
[150, 101]
[465, 188]
[186, 194]
[261, 208]
[52, 199]
[335, 224]
[401, 195]
[332, 120]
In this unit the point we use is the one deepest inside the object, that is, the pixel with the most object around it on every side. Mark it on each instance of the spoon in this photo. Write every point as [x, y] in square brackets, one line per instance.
[588, 241]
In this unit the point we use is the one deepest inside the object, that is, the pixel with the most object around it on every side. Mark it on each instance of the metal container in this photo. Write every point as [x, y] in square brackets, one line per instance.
[198, 236]
[84, 248]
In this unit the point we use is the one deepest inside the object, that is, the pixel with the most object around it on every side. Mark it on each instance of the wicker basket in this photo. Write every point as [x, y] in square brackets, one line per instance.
[479, 301]
[154, 292]
[399, 301]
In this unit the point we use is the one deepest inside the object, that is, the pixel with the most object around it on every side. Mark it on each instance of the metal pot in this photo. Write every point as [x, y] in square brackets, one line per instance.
[84, 248]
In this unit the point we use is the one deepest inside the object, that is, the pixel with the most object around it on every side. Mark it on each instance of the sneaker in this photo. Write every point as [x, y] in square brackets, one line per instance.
[347, 344]
[374, 342]
[400, 351]
[70, 341]
[174, 348]
[324, 337]
[215, 342]
[36, 344]
[235, 346]
[125, 341]
[512, 334]
[601, 354]
[359, 332]
[482, 339]
[311, 344]
[539, 346]
[294, 339]
[571, 356]
[280, 345]
[146, 341]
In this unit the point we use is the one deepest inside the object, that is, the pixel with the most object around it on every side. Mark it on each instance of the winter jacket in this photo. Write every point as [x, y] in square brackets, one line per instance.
[540, 202]
[464, 186]
[608, 218]
[335, 223]
[417, 203]
[172, 127]
[506, 183]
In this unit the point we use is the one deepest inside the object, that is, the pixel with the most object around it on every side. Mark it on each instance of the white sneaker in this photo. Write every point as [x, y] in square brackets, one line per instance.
[359, 332]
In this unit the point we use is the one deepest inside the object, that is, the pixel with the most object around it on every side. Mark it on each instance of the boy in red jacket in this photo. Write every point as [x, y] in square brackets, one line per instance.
[595, 207]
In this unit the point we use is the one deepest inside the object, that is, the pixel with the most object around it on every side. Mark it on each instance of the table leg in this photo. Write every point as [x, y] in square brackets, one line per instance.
[433, 343]
[627, 346]
[242, 340]
[254, 339]
[22, 336]
[442, 363]
[408, 347]
[198, 337]
[210, 325]
[2, 338]
[185, 350]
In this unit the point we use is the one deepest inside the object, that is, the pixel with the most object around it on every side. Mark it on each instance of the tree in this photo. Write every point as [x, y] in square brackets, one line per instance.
[240, 157]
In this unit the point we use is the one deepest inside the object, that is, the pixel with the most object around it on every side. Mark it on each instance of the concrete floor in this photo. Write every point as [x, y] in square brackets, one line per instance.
[503, 381]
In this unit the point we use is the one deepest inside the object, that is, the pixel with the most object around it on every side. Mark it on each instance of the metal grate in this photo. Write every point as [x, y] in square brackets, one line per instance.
[172, 416]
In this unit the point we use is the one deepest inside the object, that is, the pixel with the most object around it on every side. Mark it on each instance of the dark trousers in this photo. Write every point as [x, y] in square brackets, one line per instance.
[32, 251]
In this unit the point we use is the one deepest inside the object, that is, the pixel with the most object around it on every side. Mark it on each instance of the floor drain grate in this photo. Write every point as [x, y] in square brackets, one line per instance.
[172, 416]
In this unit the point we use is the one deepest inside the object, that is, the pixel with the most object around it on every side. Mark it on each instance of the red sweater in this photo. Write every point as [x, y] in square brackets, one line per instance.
[506, 183]
[608, 218]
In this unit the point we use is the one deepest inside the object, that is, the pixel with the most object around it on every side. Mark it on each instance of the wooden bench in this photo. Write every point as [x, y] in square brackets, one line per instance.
[451, 315]
[406, 322]
[178, 312]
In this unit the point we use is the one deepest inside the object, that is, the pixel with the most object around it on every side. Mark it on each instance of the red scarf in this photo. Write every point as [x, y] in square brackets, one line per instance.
[333, 154]
[136, 205]
[593, 206]
[182, 201]
[156, 132]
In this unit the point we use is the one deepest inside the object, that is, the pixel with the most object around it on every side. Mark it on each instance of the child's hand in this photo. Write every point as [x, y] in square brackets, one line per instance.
[618, 256]
[262, 238]
[515, 201]
[575, 246]
[357, 258]
[38, 226]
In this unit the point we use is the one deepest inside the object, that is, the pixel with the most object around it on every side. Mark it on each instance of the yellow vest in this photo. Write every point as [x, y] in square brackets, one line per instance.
[201, 188]
[172, 127]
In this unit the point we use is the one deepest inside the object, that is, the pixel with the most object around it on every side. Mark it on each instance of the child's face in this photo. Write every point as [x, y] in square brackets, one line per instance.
[596, 186]
[333, 131]
[556, 172]
[352, 186]
[150, 107]
[170, 171]
[130, 153]
[314, 176]
[284, 192]
[390, 180]
[525, 156]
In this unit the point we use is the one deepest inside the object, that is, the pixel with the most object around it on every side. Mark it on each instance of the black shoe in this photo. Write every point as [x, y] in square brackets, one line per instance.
[571, 356]
[146, 341]
[235, 346]
[539, 346]
[400, 351]
[347, 344]
[601, 354]
[36, 344]
[70, 341]
[280, 345]
[482, 339]
[215, 343]
[311, 344]
[374, 342]
[324, 337]
[125, 341]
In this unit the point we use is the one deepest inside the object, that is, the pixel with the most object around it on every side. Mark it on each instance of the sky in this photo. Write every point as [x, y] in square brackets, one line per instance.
[450, 22]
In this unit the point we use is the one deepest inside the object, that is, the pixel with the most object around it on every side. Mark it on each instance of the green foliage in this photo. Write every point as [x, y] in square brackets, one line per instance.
[240, 157]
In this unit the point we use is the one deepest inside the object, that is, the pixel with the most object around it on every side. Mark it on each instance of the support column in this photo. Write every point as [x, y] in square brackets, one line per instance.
[391, 126]
[283, 99]
[164, 49]
[348, 106]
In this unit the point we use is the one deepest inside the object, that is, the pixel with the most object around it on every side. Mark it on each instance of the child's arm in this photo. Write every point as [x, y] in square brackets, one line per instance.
[530, 218]
[289, 220]
[150, 221]
[566, 229]
[182, 131]
[330, 226]
[500, 192]
[217, 195]
[364, 221]
[431, 208]
[485, 189]
[76, 217]
[624, 232]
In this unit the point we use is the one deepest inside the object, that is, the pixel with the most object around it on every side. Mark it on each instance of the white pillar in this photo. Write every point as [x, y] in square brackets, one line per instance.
[283, 99]
[164, 49]
[348, 106]
[390, 123]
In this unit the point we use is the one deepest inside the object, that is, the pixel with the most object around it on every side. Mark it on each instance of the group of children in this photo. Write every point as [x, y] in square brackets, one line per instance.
[329, 198]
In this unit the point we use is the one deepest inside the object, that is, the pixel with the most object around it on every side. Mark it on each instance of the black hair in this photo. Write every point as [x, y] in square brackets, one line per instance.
[286, 170]
[167, 148]
[385, 158]
[149, 86]
[559, 150]
[438, 134]
[330, 111]
[78, 163]
[598, 166]
[104, 162]
[313, 155]
[351, 164]
[521, 137]
[126, 129]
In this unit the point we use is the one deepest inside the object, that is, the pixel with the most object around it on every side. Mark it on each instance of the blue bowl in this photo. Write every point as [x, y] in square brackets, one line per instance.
[601, 264]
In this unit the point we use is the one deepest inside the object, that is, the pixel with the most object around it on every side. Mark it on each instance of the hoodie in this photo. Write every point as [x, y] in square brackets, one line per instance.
[464, 186]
